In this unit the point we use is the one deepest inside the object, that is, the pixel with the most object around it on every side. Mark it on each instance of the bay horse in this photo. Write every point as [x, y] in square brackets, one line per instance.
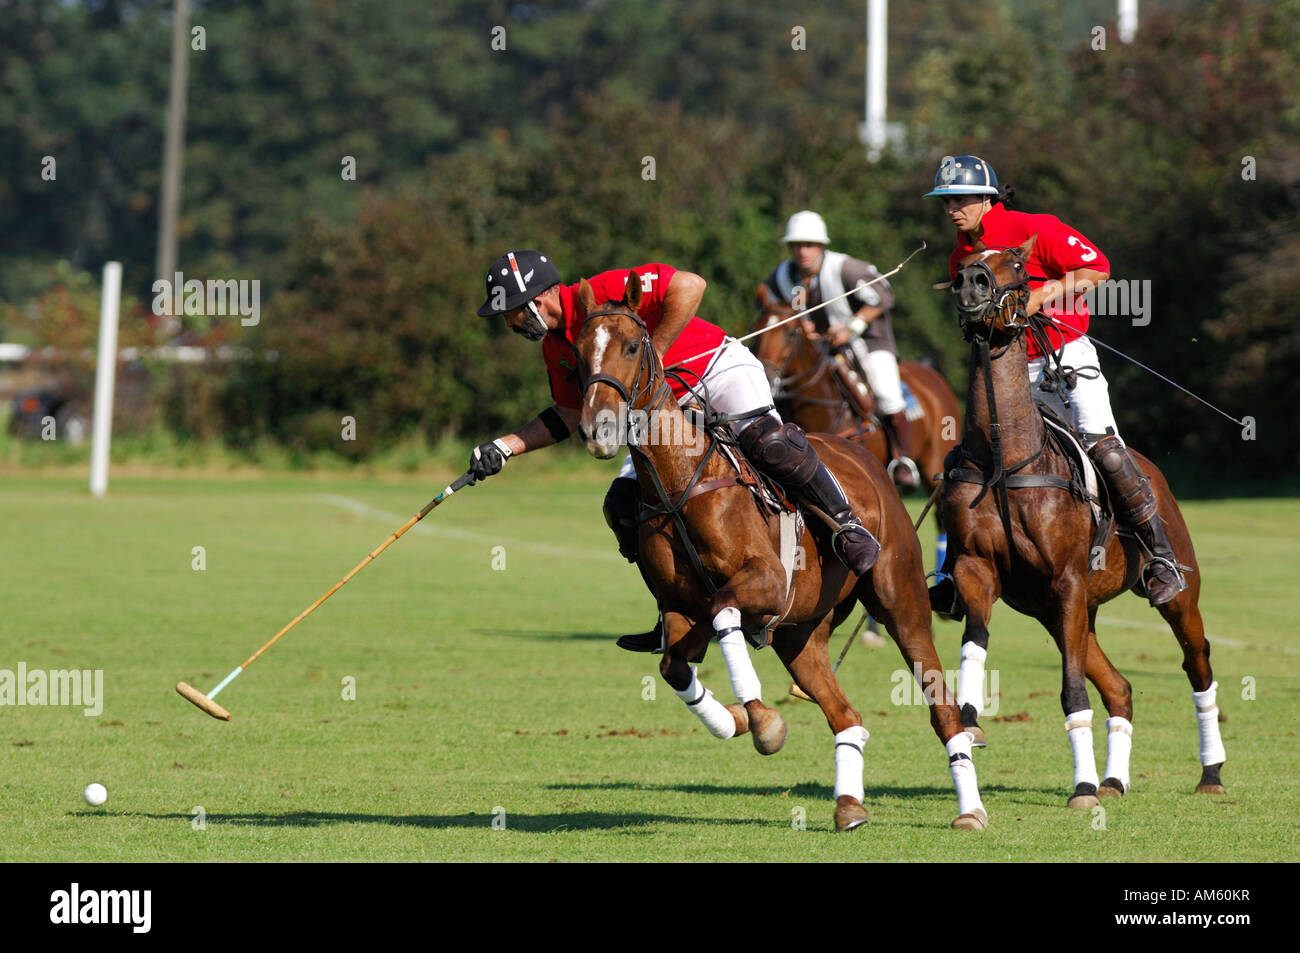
[710, 553]
[1020, 527]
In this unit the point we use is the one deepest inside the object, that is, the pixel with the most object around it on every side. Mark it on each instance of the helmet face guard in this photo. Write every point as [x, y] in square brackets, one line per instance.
[964, 175]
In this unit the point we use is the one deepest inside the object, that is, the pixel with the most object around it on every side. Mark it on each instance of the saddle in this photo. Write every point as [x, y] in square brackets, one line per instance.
[770, 499]
[1086, 483]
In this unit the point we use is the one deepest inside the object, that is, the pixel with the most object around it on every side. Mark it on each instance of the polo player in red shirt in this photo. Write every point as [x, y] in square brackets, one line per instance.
[1063, 261]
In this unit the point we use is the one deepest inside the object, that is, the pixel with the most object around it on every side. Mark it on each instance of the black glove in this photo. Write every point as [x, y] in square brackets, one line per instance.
[488, 459]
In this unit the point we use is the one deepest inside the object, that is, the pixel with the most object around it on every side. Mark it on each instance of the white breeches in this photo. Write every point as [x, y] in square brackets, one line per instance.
[1089, 407]
[881, 368]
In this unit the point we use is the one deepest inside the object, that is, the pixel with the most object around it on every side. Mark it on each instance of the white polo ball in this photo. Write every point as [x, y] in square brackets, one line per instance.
[95, 794]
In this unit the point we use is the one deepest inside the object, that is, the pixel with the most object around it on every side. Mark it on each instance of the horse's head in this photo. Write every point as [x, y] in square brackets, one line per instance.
[617, 366]
[992, 288]
[785, 350]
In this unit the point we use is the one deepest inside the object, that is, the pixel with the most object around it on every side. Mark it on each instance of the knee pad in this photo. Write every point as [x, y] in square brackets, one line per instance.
[781, 451]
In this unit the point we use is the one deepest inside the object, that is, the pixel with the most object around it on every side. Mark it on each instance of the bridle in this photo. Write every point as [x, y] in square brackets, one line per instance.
[986, 312]
[649, 370]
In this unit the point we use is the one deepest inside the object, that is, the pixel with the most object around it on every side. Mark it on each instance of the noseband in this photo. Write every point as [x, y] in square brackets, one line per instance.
[978, 315]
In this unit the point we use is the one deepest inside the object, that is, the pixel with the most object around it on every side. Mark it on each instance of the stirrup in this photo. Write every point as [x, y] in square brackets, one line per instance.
[866, 548]
[909, 466]
[1155, 562]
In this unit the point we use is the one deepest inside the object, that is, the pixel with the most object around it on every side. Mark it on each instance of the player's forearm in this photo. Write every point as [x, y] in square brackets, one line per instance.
[547, 428]
[681, 301]
[1078, 282]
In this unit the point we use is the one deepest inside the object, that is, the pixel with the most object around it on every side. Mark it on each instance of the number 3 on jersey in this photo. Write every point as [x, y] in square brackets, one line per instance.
[1088, 253]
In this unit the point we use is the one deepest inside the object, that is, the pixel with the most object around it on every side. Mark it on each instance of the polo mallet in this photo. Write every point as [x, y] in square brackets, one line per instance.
[206, 702]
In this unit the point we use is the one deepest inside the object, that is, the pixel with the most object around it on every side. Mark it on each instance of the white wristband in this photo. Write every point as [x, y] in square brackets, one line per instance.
[506, 452]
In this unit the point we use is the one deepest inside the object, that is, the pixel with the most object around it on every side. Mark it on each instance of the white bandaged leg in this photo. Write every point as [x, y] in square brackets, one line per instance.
[970, 687]
[1079, 728]
[744, 680]
[1119, 745]
[963, 773]
[709, 710]
[1207, 721]
[848, 761]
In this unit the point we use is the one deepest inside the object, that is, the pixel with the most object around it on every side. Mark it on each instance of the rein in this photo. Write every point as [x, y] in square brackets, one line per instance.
[667, 505]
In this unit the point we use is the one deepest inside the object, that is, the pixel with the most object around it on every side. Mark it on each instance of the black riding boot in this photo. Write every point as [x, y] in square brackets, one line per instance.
[620, 514]
[782, 451]
[1135, 505]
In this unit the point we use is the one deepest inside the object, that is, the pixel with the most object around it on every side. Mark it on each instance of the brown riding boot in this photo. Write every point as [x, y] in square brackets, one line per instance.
[902, 467]
[855, 385]
[1135, 505]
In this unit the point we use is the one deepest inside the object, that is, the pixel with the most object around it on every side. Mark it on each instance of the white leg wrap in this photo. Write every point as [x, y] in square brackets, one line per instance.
[1207, 721]
[1079, 728]
[710, 711]
[744, 680]
[1119, 745]
[963, 773]
[970, 687]
[848, 761]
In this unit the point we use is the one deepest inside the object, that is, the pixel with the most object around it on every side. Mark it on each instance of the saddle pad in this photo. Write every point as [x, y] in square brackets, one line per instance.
[1085, 465]
[912, 407]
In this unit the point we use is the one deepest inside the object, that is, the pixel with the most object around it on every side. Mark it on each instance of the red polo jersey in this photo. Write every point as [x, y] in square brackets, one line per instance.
[697, 337]
[1059, 249]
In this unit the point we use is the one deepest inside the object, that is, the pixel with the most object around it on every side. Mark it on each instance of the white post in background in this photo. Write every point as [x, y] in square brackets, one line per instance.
[874, 127]
[105, 377]
[1128, 20]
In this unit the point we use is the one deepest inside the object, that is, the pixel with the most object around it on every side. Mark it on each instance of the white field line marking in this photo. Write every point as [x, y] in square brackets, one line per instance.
[362, 509]
[1214, 639]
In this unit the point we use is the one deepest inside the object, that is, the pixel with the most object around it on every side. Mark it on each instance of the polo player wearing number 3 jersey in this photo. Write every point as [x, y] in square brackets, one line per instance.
[524, 287]
[1063, 266]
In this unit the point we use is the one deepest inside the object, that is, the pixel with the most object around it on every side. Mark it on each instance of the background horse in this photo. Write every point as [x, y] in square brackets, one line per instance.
[1028, 538]
[702, 507]
[808, 391]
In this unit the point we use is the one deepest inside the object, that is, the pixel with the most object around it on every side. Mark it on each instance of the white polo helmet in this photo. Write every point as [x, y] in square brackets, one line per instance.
[806, 227]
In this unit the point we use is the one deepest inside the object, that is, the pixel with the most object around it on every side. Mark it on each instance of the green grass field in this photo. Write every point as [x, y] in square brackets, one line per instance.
[485, 693]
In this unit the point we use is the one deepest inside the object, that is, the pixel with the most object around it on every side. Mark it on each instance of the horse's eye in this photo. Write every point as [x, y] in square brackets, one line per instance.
[631, 348]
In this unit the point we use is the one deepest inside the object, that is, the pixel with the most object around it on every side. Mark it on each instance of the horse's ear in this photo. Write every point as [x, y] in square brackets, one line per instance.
[632, 293]
[941, 285]
[1027, 248]
[763, 295]
[980, 247]
[586, 298]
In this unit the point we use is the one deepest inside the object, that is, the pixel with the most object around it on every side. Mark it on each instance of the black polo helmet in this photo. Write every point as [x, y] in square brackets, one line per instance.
[964, 175]
[515, 279]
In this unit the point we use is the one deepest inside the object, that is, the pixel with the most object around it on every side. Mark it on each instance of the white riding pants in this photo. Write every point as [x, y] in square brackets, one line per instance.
[881, 368]
[1089, 408]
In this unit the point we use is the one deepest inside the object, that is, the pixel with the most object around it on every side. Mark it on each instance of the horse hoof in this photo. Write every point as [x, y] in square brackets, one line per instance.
[977, 820]
[1111, 787]
[767, 727]
[1211, 789]
[739, 713]
[798, 692]
[977, 736]
[849, 813]
[1083, 802]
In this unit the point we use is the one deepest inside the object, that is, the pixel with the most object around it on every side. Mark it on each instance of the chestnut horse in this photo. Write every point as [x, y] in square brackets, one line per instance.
[1020, 528]
[695, 513]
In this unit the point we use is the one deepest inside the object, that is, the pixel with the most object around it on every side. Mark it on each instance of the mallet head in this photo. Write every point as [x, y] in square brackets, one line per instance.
[200, 700]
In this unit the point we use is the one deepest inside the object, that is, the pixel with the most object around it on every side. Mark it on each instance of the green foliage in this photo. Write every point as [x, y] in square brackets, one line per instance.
[463, 150]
